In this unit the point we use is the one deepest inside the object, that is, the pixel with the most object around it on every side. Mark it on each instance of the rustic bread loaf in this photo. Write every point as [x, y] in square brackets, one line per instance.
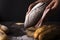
[3, 36]
[35, 14]
[49, 32]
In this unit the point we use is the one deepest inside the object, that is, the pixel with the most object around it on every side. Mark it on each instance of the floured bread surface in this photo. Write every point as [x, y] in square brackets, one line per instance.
[34, 15]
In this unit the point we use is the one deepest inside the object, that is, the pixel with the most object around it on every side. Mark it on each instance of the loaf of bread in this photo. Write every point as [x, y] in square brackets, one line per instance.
[3, 36]
[35, 14]
[49, 32]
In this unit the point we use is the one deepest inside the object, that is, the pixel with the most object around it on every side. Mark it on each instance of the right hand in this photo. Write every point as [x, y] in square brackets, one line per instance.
[53, 4]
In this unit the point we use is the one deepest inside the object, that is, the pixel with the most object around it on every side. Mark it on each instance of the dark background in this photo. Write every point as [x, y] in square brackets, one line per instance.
[15, 10]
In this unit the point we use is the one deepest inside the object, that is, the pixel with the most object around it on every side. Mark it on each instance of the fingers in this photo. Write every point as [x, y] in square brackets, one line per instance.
[27, 12]
[55, 5]
[50, 5]
[32, 5]
[29, 8]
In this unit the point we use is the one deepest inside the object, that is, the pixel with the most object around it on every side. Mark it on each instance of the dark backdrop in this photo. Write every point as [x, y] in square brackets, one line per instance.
[15, 10]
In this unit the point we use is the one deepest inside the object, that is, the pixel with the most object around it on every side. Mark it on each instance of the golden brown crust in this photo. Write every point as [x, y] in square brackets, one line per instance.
[3, 36]
[48, 32]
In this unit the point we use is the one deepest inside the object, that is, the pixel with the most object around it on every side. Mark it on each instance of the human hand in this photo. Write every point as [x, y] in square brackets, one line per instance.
[31, 6]
[53, 4]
